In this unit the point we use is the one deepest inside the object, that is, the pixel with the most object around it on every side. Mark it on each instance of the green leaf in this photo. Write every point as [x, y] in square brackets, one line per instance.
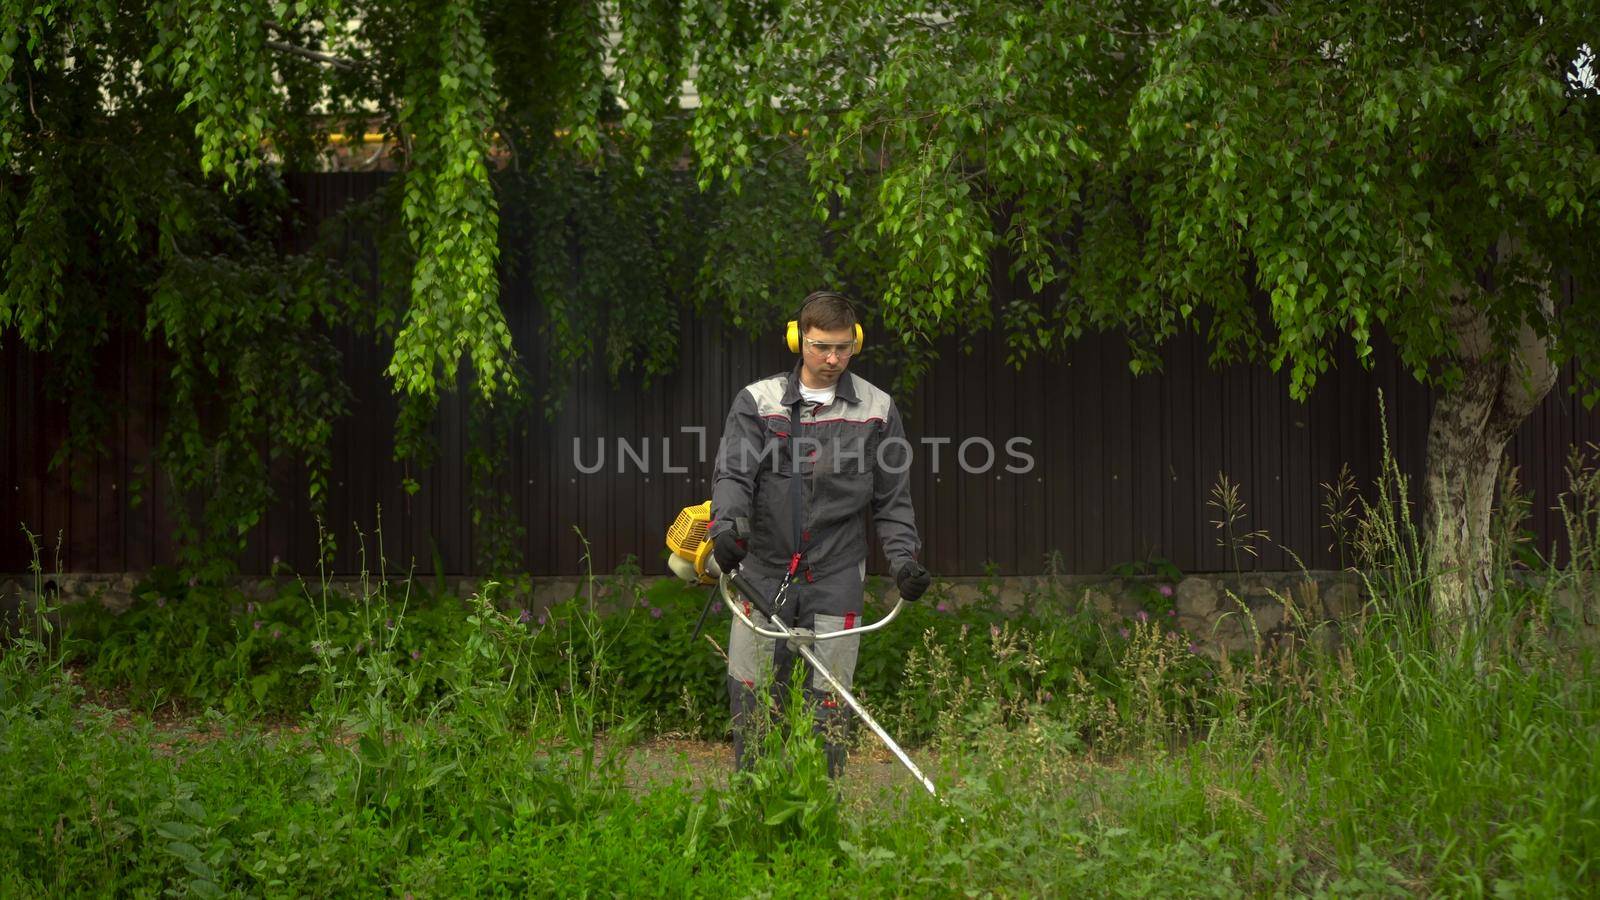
[177, 831]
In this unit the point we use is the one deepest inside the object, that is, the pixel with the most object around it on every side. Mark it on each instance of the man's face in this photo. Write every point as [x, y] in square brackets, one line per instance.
[825, 355]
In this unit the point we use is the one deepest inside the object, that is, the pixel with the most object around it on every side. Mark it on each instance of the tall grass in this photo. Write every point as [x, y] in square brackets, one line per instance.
[1470, 764]
[1073, 760]
[35, 652]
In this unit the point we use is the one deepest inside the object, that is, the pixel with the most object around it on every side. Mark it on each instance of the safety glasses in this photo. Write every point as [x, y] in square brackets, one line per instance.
[830, 348]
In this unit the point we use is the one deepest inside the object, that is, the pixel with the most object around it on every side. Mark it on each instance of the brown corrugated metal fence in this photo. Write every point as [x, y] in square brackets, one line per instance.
[1123, 465]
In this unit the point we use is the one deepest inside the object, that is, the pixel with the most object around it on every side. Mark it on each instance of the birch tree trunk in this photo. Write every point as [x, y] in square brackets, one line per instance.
[1472, 422]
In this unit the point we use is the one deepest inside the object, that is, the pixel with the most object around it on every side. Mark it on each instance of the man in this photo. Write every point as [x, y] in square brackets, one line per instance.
[804, 456]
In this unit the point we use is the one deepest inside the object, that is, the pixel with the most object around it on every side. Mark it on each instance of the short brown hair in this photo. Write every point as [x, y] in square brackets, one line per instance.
[827, 311]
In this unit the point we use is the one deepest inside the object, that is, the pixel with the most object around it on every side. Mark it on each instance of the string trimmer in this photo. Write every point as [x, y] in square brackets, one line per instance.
[691, 560]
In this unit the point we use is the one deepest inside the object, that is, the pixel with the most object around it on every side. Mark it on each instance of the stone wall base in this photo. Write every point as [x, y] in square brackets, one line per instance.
[1221, 612]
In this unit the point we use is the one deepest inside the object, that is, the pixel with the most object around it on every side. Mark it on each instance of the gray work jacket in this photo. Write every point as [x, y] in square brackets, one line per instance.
[851, 456]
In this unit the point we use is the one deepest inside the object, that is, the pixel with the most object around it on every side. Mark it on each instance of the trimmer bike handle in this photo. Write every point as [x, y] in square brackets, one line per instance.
[802, 636]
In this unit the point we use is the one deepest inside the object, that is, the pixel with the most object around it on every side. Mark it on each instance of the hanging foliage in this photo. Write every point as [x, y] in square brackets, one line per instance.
[142, 149]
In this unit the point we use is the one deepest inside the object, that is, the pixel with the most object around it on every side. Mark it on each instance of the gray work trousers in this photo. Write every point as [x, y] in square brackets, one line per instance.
[755, 661]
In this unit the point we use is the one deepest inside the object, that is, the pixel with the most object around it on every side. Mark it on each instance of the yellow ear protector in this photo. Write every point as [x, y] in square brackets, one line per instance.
[792, 333]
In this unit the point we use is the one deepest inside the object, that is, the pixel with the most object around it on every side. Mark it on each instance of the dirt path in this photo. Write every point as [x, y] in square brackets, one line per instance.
[872, 774]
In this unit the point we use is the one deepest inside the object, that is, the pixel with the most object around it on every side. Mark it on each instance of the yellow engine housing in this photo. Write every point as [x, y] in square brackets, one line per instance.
[691, 549]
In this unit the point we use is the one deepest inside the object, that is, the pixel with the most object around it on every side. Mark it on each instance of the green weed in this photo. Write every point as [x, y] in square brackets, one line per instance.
[469, 746]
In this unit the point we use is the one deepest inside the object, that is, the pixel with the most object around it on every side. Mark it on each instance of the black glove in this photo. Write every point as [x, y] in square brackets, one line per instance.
[728, 551]
[912, 578]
